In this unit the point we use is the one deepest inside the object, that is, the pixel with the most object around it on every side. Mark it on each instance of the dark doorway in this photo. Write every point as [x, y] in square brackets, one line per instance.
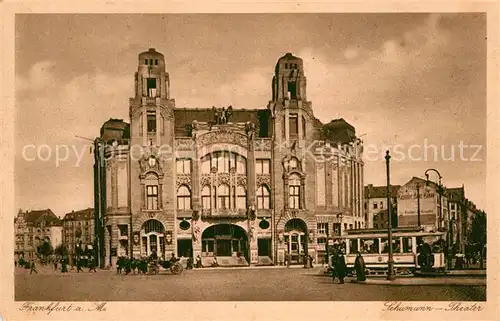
[224, 240]
[292, 88]
[184, 248]
[264, 247]
[223, 247]
[151, 86]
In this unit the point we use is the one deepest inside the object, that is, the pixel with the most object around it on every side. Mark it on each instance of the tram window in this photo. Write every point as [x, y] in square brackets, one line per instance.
[353, 246]
[369, 246]
[395, 246]
[407, 246]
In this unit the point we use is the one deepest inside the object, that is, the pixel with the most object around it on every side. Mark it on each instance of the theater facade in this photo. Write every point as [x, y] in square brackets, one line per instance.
[247, 186]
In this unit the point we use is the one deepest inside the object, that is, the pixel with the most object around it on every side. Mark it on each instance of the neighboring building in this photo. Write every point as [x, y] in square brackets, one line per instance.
[224, 181]
[376, 205]
[462, 212]
[33, 228]
[433, 201]
[78, 230]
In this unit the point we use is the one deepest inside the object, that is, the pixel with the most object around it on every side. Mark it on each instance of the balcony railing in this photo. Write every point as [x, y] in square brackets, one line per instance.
[149, 100]
[224, 213]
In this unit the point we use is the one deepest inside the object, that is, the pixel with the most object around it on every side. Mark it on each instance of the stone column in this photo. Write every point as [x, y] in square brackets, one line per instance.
[303, 193]
[144, 124]
[114, 185]
[107, 248]
[195, 178]
[160, 194]
[355, 190]
[287, 129]
[114, 241]
[286, 192]
[143, 195]
[251, 173]
[158, 125]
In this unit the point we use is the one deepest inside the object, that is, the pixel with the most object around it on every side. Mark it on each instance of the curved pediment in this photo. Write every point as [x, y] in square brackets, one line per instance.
[217, 137]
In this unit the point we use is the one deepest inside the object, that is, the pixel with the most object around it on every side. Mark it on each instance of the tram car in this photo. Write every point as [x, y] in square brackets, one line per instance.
[414, 249]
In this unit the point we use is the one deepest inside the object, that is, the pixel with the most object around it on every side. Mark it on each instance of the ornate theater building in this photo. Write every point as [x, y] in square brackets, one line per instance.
[245, 186]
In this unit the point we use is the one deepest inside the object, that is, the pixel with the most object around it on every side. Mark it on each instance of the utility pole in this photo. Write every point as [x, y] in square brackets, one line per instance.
[390, 261]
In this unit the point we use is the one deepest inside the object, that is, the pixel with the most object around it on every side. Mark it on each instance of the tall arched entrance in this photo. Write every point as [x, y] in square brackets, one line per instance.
[153, 238]
[223, 240]
[295, 238]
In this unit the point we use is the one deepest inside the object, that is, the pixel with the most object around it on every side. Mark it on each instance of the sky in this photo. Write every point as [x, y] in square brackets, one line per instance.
[407, 82]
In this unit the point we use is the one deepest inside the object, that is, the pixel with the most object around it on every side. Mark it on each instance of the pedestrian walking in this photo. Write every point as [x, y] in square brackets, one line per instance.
[33, 267]
[359, 265]
[64, 266]
[334, 267]
[78, 266]
[92, 265]
[340, 268]
[15, 263]
[55, 265]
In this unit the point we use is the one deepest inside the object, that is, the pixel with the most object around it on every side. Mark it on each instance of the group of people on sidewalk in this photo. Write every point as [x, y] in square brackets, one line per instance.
[31, 265]
[339, 267]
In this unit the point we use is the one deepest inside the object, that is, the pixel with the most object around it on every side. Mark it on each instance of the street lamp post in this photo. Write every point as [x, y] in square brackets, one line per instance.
[390, 262]
[418, 204]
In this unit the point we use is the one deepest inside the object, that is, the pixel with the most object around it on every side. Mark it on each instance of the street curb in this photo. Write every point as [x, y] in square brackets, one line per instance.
[421, 283]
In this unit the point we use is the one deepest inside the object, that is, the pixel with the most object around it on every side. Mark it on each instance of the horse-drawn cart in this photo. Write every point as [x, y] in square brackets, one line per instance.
[174, 266]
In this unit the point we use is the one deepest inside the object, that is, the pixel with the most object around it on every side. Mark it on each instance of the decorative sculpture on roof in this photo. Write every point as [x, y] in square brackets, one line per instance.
[222, 115]
[250, 129]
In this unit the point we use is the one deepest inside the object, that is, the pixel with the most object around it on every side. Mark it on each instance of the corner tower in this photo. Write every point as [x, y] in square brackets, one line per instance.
[151, 109]
[293, 122]
[152, 177]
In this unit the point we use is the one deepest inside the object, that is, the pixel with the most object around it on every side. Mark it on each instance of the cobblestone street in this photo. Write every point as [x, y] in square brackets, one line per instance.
[259, 284]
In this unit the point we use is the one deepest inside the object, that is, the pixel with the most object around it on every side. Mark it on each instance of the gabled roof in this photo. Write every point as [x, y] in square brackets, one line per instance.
[380, 191]
[82, 215]
[38, 217]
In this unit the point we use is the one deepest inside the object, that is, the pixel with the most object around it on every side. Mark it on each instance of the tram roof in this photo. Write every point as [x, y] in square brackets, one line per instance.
[384, 230]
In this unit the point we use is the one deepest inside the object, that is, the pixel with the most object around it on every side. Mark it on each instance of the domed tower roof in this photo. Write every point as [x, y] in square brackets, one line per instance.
[151, 52]
[290, 60]
[152, 58]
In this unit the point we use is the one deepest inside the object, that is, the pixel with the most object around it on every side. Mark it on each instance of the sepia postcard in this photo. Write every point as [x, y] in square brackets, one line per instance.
[249, 160]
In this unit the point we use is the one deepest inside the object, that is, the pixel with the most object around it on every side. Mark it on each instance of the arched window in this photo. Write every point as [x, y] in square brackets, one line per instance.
[183, 198]
[294, 192]
[152, 192]
[223, 196]
[223, 162]
[241, 165]
[263, 200]
[205, 165]
[241, 197]
[154, 226]
[205, 197]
